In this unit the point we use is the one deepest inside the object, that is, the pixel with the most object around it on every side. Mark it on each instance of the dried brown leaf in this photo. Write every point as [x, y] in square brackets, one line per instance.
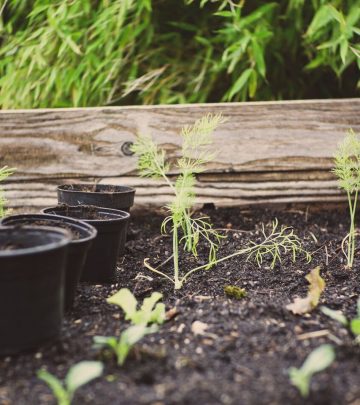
[302, 306]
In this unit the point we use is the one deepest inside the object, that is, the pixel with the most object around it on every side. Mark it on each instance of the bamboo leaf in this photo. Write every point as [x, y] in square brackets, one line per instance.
[240, 83]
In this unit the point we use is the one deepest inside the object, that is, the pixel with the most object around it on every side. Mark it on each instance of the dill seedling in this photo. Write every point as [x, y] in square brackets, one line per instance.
[191, 231]
[184, 228]
[347, 169]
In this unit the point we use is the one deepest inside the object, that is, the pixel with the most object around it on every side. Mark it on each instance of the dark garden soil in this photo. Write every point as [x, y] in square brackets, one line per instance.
[249, 344]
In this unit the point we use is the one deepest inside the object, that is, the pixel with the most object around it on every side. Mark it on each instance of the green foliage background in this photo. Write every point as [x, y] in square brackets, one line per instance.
[65, 53]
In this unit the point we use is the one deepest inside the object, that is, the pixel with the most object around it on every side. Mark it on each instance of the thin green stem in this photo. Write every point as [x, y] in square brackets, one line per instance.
[177, 281]
[351, 243]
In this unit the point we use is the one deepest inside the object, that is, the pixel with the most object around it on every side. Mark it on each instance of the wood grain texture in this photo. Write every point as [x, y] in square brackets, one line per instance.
[266, 152]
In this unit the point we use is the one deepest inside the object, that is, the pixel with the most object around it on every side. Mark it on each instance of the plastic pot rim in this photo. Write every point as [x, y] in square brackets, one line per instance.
[35, 249]
[118, 214]
[126, 191]
[91, 230]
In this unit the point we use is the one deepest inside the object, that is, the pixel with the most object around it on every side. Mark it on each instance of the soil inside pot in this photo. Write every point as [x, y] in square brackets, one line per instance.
[243, 355]
[85, 212]
[95, 188]
[12, 246]
[75, 235]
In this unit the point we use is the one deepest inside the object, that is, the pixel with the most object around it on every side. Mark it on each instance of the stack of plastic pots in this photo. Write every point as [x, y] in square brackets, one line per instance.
[106, 207]
[43, 257]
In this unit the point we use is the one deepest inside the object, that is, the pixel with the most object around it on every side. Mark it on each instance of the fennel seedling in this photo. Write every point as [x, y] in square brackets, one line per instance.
[191, 231]
[347, 169]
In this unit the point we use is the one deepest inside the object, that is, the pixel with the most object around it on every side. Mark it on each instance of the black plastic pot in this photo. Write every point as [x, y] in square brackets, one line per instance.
[100, 195]
[82, 236]
[32, 268]
[111, 225]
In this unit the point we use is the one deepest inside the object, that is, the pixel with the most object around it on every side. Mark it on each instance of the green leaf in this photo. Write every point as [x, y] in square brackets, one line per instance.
[227, 14]
[126, 301]
[129, 337]
[149, 303]
[82, 373]
[55, 385]
[335, 315]
[158, 314]
[300, 380]
[355, 326]
[344, 48]
[240, 83]
[253, 84]
[102, 341]
[322, 17]
[318, 360]
[258, 52]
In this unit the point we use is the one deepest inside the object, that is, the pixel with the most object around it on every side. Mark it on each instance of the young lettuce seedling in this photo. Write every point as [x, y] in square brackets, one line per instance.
[347, 169]
[318, 360]
[147, 314]
[128, 338]
[5, 172]
[78, 375]
[150, 313]
[352, 324]
[191, 231]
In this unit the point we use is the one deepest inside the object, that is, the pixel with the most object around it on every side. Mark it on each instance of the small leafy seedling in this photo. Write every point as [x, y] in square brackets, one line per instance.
[186, 229]
[77, 376]
[128, 338]
[347, 169]
[318, 360]
[5, 172]
[316, 287]
[151, 311]
[353, 324]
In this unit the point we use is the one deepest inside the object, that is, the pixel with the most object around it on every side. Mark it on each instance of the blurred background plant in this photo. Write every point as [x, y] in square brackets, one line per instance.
[67, 53]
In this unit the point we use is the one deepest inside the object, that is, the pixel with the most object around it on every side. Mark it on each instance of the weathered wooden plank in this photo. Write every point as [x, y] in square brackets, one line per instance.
[266, 152]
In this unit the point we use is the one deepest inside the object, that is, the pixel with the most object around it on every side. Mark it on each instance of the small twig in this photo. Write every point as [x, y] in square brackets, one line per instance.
[312, 335]
[164, 262]
[326, 256]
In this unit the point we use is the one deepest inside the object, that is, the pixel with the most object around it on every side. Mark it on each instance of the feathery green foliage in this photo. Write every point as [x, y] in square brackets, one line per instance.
[5, 172]
[195, 154]
[347, 169]
[191, 231]
[83, 53]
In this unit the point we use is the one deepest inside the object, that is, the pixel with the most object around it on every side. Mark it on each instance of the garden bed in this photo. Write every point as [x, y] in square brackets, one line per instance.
[243, 355]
